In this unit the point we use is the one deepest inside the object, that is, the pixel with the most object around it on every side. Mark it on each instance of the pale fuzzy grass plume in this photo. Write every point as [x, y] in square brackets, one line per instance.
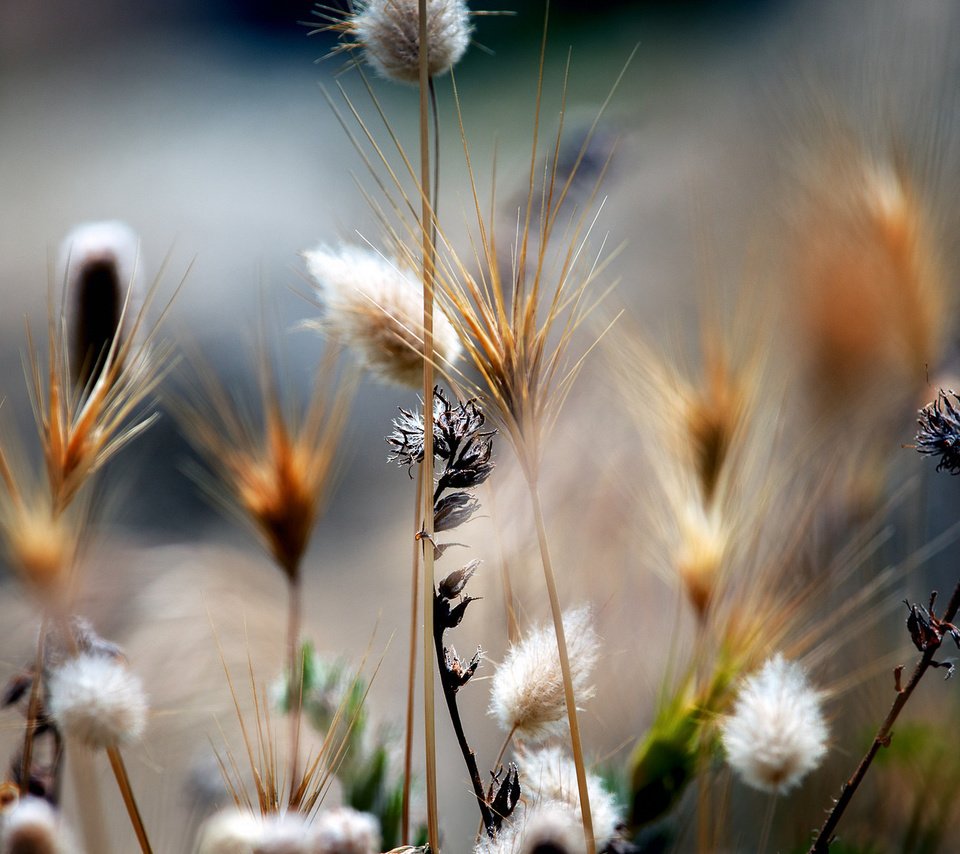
[873, 292]
[32, 826]
[97, 700]
[548, 827]
[550, 776]
[527, 696]
[337, 831]
[388, 32]
[375, 306]
[776, 734]
[103, 291]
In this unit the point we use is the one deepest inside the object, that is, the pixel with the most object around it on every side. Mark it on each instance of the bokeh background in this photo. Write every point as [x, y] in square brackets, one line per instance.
[203, 126]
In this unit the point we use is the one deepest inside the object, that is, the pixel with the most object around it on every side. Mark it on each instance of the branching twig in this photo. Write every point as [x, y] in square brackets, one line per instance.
[450, 689]
[885, 733]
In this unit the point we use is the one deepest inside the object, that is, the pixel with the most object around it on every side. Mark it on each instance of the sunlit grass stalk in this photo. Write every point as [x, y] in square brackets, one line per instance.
[411, 666]
[576, 745]
[295, 668]
[129, 801]
[426, 490]
[509, 601]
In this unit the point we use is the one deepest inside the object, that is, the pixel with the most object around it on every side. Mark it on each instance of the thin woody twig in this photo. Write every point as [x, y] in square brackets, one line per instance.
[882, 739]
[469, 757]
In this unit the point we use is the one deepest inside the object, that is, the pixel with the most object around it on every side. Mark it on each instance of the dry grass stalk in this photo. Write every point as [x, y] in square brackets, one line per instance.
[517, 334]
[427, 267]
[276, 469]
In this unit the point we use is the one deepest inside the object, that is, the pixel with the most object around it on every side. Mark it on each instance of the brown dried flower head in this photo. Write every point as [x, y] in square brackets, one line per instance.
[276, 467]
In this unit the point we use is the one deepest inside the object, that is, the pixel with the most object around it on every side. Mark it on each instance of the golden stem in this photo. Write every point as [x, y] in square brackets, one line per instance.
[129, 801]
[509, 607]
[426, 218]
[295, 669]
[412, 668]
[571, 703]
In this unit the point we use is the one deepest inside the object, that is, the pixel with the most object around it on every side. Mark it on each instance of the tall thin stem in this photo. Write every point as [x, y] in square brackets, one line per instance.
[767, 825]
[426, 219]
[129, 801]
[882, 738]
[295, 669]
[571, 703]
[411, 668]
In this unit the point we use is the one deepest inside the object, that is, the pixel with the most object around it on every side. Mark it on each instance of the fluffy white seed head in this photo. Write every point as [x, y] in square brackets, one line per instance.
[97, 700]
[284, 833]
[389, 33]
[231, 831]
[776, 734]
[549, 776]
[345, 831]
[527, 691]
[376, 307]
[550, 826]
[100, 270]
[33, 827]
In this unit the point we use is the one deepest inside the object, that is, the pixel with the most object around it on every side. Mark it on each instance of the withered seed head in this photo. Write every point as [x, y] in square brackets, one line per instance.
[276, 472]
[938, 432]
[454, 584]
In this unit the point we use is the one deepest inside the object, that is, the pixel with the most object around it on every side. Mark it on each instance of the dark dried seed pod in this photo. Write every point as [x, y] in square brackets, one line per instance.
[456, 581]
[507, 797]
[453, 510]
[460, 671]
[938, 432]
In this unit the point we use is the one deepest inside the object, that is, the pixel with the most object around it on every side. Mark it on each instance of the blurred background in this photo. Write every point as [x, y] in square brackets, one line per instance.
[203, 126]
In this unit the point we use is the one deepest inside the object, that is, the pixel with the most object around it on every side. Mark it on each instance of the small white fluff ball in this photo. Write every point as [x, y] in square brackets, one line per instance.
[549, 826]
[97, 700]
[389, 33]
[549, 776]
[345, 831]
[230, 831]
[33, 826]
[776, 734]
